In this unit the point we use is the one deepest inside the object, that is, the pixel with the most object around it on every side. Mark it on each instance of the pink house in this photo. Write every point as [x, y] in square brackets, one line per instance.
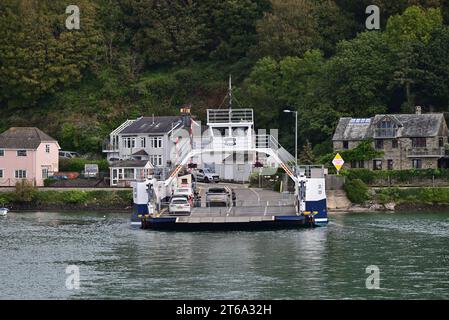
[27, 153]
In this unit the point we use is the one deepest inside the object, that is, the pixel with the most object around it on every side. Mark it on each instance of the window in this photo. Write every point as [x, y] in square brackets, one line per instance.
[129, 142]
[156, 160]
[390, 164]
[156, 142]
[21, 153]
[377, 164]
[394, 144]
[379, 144]
[47, 148]
[417, 163]
[2, 153]
[386, 128]
[143, 142]
[1, 173]
[440, 142]
[357, 164]
[44, 173]
[20, 174]
[418, 142]
[345, 144]
[129, 173]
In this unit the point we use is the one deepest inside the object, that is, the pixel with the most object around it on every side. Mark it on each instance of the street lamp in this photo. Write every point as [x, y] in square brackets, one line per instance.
[296, 134]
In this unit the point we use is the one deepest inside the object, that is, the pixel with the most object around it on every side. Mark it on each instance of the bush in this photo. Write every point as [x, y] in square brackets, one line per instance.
[49, 182]
[356, 191]
[25, 191]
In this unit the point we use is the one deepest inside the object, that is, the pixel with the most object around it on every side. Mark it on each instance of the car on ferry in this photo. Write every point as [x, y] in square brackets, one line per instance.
[218, 196]
[179, 206]
[185, 192]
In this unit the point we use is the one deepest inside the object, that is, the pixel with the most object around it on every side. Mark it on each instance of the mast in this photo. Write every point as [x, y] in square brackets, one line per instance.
[230, 92]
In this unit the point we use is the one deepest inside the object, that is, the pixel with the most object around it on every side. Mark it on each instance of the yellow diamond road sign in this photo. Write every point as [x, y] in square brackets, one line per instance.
[338, 162]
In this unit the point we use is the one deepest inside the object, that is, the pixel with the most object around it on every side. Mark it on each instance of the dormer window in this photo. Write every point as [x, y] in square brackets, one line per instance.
[386, 129]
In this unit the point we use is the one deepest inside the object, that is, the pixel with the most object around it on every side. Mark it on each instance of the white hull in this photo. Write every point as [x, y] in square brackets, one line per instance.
[3, 211]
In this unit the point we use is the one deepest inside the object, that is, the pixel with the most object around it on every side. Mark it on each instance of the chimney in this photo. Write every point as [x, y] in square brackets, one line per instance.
[418, 109]
[185, 113]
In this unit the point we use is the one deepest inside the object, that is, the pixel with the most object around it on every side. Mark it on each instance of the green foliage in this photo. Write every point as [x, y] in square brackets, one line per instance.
[356, 191]
[364, 151]
[307, 156]
[77, 164]
[418, 196]
[370, 176]
[132, 58]
[37, 54]
[24, 192]
[415, 24]
[75, 197]
[49, 182]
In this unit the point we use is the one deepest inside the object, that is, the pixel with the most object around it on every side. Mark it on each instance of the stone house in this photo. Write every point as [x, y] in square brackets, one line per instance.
[408, 141]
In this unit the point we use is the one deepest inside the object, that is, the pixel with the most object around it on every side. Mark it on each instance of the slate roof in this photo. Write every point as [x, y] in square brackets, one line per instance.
[409, 125]
[130, 164]
[23, 138]
[160, 125]
[140, 153]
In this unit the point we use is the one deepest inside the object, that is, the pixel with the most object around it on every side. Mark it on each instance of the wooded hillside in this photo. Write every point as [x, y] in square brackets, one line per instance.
[145, 57]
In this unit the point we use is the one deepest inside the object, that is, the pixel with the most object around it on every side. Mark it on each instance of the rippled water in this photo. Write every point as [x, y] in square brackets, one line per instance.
[116, 261]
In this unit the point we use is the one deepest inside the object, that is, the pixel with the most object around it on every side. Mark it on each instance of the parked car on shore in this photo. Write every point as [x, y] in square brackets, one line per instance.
[68, 154]
[179, 205]
[218, 196]
[205, 175]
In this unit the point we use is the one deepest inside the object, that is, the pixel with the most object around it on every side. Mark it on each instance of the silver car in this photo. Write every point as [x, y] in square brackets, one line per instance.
[218, 196]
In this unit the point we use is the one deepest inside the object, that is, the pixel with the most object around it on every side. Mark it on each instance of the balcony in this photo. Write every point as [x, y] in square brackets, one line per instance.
[416, 152]
[108, 147]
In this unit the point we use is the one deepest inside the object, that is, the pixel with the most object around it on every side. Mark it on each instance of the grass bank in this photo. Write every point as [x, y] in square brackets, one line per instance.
[33, 199]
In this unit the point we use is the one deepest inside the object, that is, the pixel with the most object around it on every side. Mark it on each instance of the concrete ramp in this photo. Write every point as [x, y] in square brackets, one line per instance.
[336, 199]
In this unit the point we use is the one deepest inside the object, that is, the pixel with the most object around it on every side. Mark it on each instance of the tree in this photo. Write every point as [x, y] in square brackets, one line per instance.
[432, 85]
[405, 34]
[359, 74]
[38, 55]
[164, 32]
[288, 30]
[307, 157]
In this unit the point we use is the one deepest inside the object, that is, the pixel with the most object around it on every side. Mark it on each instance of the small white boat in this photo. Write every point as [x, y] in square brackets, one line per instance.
[3, 211]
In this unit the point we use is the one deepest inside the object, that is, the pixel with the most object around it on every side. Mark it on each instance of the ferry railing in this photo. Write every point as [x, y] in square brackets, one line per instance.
[239, 208]
[229, 115]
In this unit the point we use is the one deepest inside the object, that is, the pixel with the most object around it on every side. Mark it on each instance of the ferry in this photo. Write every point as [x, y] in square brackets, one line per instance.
[230, 132]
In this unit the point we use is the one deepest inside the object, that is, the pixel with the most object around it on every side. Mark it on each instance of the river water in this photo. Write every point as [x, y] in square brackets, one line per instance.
[411, 251]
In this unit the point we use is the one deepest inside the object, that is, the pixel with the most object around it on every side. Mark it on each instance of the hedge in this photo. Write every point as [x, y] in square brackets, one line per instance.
[369, 176]
[77, 164]
[105, 197]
